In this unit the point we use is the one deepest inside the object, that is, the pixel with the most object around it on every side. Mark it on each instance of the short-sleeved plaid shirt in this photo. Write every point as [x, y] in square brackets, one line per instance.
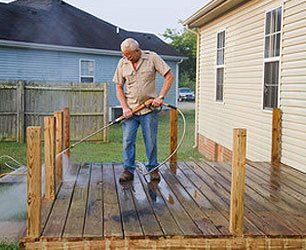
[140, 83]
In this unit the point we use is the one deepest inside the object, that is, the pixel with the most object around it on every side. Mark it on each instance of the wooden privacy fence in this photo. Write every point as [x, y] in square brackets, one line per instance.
[24, 104]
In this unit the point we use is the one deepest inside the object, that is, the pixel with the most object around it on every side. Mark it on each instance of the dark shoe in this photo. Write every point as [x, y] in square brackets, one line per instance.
[126, 176]
[155, 175]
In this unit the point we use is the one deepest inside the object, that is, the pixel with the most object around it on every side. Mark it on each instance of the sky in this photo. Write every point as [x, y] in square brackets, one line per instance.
[153, 16]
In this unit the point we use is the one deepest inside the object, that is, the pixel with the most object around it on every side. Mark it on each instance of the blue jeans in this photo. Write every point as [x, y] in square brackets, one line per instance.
[149, 124]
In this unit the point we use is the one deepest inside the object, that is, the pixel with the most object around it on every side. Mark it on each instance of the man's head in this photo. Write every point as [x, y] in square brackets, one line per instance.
[130, 49]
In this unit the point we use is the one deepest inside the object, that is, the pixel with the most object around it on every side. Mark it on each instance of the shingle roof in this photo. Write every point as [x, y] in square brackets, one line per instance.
[55, 22]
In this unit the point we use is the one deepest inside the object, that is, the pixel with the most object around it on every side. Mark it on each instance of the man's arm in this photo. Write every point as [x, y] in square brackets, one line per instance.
[127, 112]
[167, 85]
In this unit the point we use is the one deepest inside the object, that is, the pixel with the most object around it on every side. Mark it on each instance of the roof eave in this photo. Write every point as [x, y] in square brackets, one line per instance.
[40, 46]
[211, 11]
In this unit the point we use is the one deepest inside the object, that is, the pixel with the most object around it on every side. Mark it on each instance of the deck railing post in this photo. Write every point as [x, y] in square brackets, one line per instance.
[49, 132]
[173, 138]
[33, 181]
[238, 182]
[58, 146]
[276, 137]
[66, 128]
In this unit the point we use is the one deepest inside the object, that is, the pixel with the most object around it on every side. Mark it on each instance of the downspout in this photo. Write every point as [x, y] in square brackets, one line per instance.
[196, 31]
[177, 80]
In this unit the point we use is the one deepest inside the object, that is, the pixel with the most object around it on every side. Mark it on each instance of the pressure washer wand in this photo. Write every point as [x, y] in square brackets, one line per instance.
[146, 104]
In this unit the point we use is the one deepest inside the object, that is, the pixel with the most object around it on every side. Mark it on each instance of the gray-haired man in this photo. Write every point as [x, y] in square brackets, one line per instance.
[137, 71]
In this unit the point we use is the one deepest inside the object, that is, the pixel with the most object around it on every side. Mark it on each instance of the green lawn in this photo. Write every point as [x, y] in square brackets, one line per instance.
[111, 152]
[9, 246]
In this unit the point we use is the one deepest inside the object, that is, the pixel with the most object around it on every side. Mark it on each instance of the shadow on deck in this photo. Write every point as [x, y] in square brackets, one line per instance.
[189, 209]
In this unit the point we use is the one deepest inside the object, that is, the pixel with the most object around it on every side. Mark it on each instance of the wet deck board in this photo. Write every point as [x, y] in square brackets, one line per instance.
[193, 203]
[55, 224]
[94, 209]
[76, 213]
[267, 220]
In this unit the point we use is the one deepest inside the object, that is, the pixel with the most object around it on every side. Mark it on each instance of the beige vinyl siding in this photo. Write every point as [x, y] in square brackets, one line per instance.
[293, 88]
[243, 79]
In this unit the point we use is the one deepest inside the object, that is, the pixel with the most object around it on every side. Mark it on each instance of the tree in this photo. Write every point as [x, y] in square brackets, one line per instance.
[184, 42]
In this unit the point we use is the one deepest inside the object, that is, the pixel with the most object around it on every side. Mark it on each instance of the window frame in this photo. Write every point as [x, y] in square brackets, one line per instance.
[221, 66]
[80, 70]
[272, 59]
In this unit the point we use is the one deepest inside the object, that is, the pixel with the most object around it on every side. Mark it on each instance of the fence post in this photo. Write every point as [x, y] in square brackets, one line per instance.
[20, 112]
[276, 137]
[238, 182]
[33, 181]
[105, 112]
[49, 131]
[173, 139]
[66, 128]
[58, 146]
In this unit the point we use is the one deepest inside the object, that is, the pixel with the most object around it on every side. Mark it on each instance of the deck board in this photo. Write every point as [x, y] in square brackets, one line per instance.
[275, 188]
[276, 200]
[93, 206]
[112, 217]
[265, 217]
[198, 216]
[285, 183]
[183, 219]
[220, 221]
[160, 208]
[94, 211]
[150, 224]
[130, 219]
[76, 213]
[55, 224]
[219, 190]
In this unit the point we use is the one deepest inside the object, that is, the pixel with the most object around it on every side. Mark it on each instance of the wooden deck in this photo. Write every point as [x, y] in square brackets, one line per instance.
[189, 209]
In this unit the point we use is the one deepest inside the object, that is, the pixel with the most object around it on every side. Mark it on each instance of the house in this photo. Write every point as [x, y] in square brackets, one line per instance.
[251, 59]
[52, 41]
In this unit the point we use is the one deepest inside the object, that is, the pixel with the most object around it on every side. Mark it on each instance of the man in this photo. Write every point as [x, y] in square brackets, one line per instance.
[137, 71]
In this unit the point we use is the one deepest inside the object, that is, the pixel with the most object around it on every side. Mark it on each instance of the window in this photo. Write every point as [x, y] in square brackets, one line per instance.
[220, 65]
[87, 71]
[271, 58]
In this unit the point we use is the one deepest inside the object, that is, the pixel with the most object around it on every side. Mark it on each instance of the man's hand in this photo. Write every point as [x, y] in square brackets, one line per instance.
[157, 102]
[127, 113]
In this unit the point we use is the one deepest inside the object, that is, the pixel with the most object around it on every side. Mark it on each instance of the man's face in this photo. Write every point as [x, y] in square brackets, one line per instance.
[132, 56]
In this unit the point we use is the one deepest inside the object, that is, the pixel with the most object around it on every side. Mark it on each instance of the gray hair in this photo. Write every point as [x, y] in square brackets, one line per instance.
[129, 44]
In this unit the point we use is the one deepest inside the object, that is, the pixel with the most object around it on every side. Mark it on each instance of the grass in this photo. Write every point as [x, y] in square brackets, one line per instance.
[112, 151]
[9, 245]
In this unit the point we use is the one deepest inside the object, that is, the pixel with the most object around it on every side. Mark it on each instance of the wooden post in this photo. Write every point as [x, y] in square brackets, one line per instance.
[238, 182]
[58, 146]
[173, 139]
[66, 133]
[33, 181]
[49, 131]
[105, 112]
[20, 112]
[276, 137]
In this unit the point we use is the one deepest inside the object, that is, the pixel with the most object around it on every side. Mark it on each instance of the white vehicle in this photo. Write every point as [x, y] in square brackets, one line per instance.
[185, 94]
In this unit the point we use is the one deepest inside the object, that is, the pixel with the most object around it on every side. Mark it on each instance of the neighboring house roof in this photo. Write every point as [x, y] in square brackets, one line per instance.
[54, 22]
[210, 11]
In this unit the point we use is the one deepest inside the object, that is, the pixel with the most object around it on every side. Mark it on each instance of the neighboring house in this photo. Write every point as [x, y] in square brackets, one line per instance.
[251, 59]
[52, 41]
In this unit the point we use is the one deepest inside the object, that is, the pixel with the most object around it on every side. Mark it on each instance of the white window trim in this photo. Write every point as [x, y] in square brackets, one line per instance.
[272, 59]
[219, 66]
[80, 70]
